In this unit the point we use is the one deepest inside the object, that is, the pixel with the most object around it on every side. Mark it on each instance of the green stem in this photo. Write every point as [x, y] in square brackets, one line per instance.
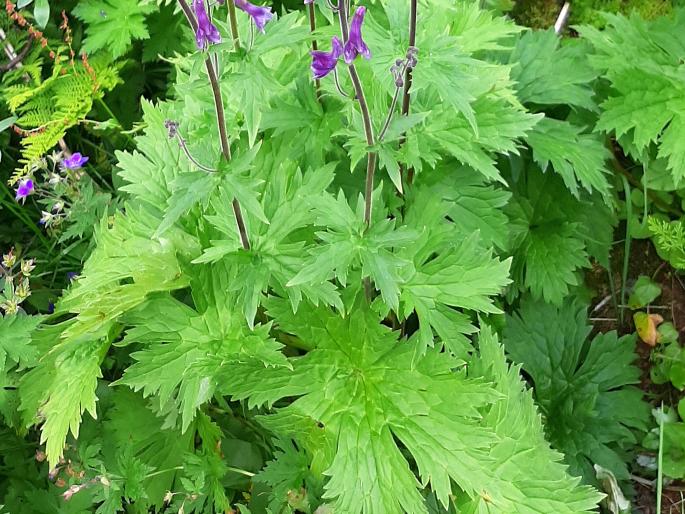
[162, 471]
[660, 471]
[233, 20]
[315, 46]
[626, 251]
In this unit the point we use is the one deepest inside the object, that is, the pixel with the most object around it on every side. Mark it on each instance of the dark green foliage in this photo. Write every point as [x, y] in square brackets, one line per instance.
[584, 388]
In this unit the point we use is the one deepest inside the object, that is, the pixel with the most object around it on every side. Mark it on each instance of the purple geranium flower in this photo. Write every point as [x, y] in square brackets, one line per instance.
[75, 161]
[206, 31]
[260, 15]
[24, 188]
[324, 62]
[355, 44]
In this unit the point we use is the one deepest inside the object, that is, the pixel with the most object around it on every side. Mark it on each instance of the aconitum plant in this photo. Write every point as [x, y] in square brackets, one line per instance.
[292, 311]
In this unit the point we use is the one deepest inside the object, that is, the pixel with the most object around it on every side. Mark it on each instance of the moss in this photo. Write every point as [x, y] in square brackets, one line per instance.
[538, 14]
[542, 14]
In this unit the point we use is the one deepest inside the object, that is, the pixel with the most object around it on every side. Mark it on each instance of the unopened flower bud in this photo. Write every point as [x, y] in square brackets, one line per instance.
[172, 128]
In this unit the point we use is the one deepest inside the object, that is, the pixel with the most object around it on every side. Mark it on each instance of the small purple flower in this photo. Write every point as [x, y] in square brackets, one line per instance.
[355, 44]
[260, 15]
[206, 31]
[324, 62]
[307, 2]
[71, 275]
[24, 189]
[51, 308]
[74, 162]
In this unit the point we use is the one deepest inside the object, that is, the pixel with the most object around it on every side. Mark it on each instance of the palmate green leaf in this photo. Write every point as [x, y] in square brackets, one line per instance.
[180, 367]
[548, 73]
[500, 124]
[553, 235]
[362, 386]
[650, 108]
[538, 480]
[286, 473]
[370, 393]
[579, 158]
[125, 267]
[301, 123]
[112, 25]
[169, 33]
[583, 390]
[470, 203]
[188, 189]
[151, 169]
[129, 424]
[646, 101]
[276, 255]
[451, 269]
[348, 244]
[15, 341]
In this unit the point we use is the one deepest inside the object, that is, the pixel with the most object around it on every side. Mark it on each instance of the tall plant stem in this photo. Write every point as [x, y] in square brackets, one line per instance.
[315, 46]
[366, 116]
[221, 122]
[233, 20]
[408, 76]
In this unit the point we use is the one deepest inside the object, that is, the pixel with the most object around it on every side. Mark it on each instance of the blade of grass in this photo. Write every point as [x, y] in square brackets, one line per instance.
[626, 252]
[20, 214]
[660, 471]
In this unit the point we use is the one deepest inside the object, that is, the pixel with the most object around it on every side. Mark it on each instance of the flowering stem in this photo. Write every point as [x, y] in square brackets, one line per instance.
[315, 46]
[233, 20]
[393, 104]
[408, 75]
[366, 116]
[221, 122]
[184, 147]
[337, 83]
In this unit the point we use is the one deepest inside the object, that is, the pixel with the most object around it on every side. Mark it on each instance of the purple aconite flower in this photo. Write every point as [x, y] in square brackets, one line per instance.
[260, 15]
[75, 161]
[355, 44]
[206, 31]
[324, 62]
[24, 188]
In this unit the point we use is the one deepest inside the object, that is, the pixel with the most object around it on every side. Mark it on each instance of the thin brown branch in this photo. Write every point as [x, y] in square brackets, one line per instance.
[315, 46]
[406, 99]
[221, 123]
[233, 20]
[18, 58]
[366, 117]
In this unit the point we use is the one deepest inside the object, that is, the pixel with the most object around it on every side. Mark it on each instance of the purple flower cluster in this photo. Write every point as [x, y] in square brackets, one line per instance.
[24, 189]
[206, 31]
[74, 161]
[260, 15]
[325, 62]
